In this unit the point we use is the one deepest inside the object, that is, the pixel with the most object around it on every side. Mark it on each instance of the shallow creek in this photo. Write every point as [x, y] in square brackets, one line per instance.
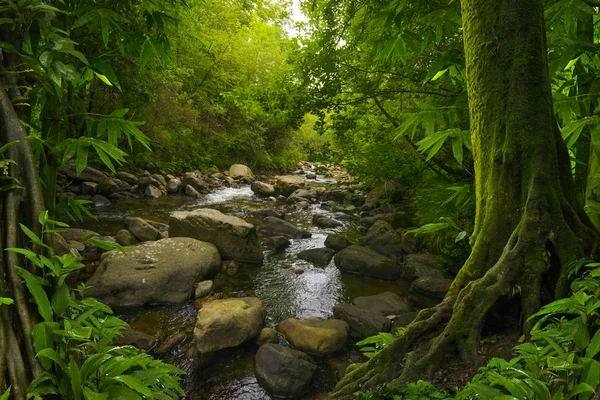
[277, 283]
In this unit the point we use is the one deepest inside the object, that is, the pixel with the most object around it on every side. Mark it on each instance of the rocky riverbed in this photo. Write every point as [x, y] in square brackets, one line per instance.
[258, 287]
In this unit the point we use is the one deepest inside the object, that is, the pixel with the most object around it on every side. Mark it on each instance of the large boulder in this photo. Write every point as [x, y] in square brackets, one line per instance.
[235, 238]
[382, 238]
[161, 272]
[429, 290]
[319, 256]
[336, 242]
[283, 372]
[363, 323]
[262, 189]
[173, 185]
[128, 177]
[422, 265]
[315, 335]
[364, 261]
[152, 192]
[89, 174]
[141, 229]
[325, 222]
[228, 323]
[239, 171]
[196, 181]
[288, 184]
[277, 243]
[386, 303]
[273, 226]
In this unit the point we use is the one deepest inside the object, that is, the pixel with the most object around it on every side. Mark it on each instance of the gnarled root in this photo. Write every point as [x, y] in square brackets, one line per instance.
[534, 249]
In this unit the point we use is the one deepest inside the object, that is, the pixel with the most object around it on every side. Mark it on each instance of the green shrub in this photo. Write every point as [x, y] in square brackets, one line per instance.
[73, 342]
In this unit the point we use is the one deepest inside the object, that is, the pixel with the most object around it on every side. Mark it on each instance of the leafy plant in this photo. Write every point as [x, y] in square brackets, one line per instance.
[73, 343]
[373, 344]
[558, 362]
[445, 223]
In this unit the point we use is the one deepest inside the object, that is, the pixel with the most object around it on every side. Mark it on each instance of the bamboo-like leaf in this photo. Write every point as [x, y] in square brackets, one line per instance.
[31, 235]
[39, 295]
[134, 384]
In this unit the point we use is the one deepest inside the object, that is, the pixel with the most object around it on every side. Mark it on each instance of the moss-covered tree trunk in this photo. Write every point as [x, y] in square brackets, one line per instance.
[529, 224]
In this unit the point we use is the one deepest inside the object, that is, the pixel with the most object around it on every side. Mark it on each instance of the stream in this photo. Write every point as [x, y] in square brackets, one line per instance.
[279, 283]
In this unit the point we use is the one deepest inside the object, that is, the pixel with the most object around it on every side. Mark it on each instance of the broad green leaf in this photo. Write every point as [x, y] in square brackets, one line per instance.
[82, 156]
[89, 394]
[31, 235]
[51, 354]
[580, 388]
[61, 299]
[42, 340]
[457, 148]
[134, 384]
[39, 295]
[594, 347]
[75, 377]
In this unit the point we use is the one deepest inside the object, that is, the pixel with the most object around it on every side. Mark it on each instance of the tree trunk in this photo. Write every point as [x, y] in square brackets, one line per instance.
[529, 225]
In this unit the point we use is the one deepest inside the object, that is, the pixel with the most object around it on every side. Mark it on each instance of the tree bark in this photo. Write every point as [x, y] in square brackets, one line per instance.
[529, 225]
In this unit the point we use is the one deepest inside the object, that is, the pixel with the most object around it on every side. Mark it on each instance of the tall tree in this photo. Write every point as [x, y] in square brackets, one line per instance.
[529, 224]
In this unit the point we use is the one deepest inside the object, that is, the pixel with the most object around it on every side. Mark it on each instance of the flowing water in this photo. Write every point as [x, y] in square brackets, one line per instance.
[279, 283]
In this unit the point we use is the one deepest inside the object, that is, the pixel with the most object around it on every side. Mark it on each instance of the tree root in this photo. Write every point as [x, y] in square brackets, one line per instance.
[519, 271]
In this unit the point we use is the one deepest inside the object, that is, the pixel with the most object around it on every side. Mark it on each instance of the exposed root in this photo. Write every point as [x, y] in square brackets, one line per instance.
[519, 271]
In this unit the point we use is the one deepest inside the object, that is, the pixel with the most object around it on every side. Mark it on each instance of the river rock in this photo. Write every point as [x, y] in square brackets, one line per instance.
[262, 189]
[152, 192]
[283, 372]
[190, 191]
[382, 238]
[401, 219]
[160, 272]
[197, 182]
[77, 234]
[107, 187]
[385, 304]
[364, 261]
[128, 177]
[170, 342]
[325, 222]
[89, 188]
[320, 256]
[235, 238]
[337, 195]
[262, 214]
[239, 171]
[160, 179]
[303, 195]
[277, 243]
[203, 288]
[141, 229]
[267, 335]
[315, 335]
[132, 337]
[363, 323]
[100, 201]
[277, 227]
[287, 184]
[173, 185]
[337, 242]
[89, 174]
[146, 181]
[228, 323]
[126, 238]
[429, 290]
[422, 265]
